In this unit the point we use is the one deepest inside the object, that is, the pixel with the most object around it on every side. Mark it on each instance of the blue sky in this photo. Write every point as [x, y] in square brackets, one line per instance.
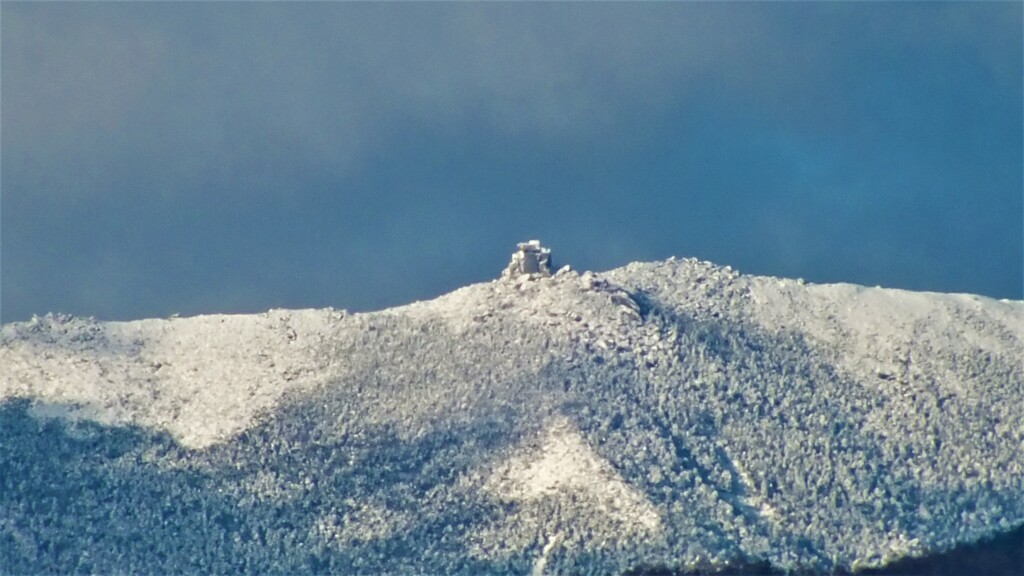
[235, 157]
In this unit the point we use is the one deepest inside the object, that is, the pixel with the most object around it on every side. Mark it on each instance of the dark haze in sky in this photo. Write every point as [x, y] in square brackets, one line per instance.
[190, 158]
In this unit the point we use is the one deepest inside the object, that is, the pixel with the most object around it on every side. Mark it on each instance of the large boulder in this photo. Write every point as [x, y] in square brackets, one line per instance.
[530, 258]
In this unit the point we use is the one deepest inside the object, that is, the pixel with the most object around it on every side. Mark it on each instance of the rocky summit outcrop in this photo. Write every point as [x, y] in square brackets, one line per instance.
[658, 417]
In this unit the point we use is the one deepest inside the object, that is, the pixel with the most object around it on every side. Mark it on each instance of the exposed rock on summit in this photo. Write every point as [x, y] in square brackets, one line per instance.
[529, 259]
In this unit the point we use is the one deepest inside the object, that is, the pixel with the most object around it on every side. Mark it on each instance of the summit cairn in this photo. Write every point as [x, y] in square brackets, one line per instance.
[530, 259]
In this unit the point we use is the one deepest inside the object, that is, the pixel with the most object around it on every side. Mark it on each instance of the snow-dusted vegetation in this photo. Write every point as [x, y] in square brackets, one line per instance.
[670, 414]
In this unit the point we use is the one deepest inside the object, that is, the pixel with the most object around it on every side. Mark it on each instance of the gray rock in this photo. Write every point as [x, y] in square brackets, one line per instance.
[530, 259]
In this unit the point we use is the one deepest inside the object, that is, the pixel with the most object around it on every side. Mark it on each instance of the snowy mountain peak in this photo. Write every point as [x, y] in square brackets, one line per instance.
[669, 414]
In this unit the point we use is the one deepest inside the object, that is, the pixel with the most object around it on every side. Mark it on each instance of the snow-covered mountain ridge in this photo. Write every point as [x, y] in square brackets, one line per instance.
[660, 414]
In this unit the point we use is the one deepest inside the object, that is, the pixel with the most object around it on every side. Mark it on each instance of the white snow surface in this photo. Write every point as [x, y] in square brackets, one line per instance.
[667, 414]
[201, 379]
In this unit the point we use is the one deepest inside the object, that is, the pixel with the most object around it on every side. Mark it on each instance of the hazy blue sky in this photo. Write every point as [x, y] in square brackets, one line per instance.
[235, 157]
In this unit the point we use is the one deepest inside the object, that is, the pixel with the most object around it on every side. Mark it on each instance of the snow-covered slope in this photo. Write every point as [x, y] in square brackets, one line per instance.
[667, 414]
